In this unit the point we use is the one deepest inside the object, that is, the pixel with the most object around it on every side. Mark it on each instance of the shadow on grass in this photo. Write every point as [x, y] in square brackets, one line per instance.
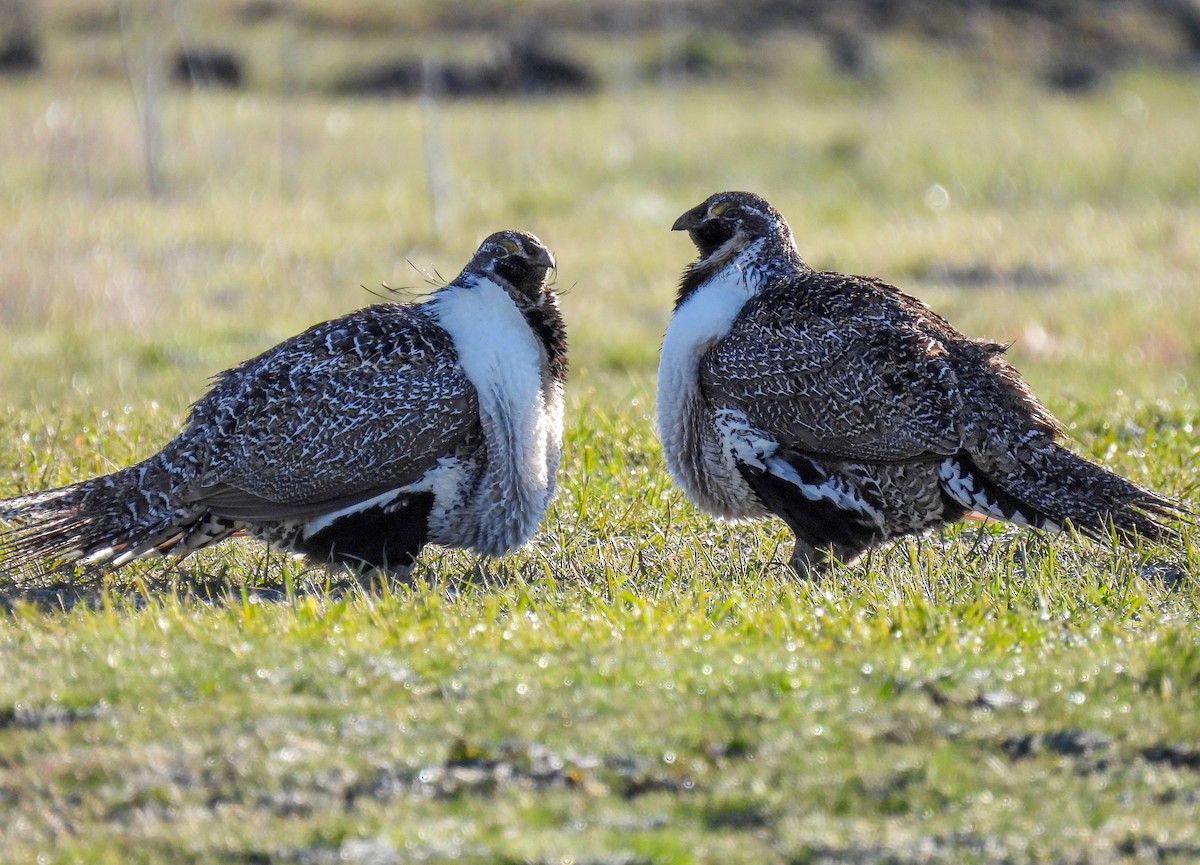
[951, 567]
[67, 587]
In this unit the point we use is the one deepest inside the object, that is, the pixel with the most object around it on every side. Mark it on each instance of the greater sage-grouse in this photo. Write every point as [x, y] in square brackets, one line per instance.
[355, 442]
[851, 410]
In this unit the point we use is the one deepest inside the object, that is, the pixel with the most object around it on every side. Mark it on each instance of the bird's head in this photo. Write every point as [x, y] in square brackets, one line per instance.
[517, 260]
[725, 223]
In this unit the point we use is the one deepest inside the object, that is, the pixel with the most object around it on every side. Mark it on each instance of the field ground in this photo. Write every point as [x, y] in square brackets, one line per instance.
[641, 685]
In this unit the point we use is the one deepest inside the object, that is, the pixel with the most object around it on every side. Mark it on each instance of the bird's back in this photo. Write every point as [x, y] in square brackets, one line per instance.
[374, 394]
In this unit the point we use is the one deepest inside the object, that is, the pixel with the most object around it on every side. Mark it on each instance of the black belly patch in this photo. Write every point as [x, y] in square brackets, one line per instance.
[386, 537]
[817, 522]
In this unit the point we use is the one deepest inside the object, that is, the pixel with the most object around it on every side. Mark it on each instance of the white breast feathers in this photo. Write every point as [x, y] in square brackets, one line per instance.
[695, 455]
[522, 424]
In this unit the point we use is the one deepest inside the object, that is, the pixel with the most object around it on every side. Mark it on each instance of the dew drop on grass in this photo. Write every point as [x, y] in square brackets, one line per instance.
[937, 198]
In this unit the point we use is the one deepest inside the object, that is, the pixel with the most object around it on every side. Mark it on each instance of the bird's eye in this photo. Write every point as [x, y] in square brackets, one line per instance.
[503, 248]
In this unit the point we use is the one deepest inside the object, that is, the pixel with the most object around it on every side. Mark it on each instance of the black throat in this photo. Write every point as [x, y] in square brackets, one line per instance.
[776, 256]
[708, 239]
[520, 275]
[711, 236]
[695, 275]
[546, 322]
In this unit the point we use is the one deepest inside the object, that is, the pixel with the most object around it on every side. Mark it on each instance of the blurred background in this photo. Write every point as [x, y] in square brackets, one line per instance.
[183, 183]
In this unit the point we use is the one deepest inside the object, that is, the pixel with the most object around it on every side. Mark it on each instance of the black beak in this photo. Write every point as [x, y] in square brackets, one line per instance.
[693, 219]
[543, 258]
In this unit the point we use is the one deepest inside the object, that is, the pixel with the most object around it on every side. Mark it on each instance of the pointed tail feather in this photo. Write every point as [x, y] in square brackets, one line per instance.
[1063, 487]
[108, 520]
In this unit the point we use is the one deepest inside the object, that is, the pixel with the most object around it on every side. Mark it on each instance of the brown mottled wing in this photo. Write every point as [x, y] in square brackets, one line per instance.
[840, 367]
[345, 410]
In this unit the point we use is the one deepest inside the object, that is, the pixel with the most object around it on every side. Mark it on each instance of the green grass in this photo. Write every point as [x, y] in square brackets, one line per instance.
[642, 684]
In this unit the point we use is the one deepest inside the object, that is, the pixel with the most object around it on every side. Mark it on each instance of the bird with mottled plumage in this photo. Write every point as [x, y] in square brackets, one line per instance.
[853, 411]
[355, 442]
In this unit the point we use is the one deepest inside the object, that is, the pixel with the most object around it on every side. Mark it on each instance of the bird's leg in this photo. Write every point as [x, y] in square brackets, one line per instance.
[481, 569]
[807, 561]
[398, 574]
[847, 555]
[811, 562]
[379, 578]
